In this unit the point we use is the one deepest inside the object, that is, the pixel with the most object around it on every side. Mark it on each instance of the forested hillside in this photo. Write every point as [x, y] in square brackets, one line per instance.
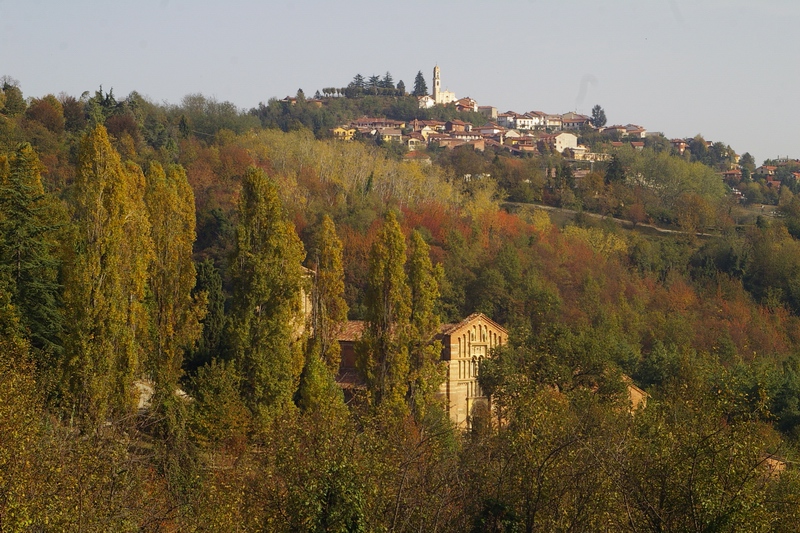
[210, 257]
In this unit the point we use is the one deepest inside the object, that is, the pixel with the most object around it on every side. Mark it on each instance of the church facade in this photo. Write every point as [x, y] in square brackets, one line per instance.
[464, 346]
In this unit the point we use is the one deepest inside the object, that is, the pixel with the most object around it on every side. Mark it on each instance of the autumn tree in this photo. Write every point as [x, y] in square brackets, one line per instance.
[382, 352]
[106, 279]
[170, 205]
[14, 102]
[267, 274]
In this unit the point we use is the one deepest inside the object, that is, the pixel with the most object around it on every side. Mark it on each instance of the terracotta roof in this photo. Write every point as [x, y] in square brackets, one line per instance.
[447, 329]
[351, 331]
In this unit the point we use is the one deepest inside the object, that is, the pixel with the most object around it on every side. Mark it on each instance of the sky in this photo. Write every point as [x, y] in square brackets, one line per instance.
[726, 69]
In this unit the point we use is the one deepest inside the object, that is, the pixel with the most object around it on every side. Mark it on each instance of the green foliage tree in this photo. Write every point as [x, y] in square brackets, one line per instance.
[267, 275]
[359, 82]
[29, 226]
[698, 147]
[420, 87]
[387, 82]
[401, 88]
[748, 165]
[14, 101]
[598, 117]
[382, 352]
[615, 172]
[170, 205]
[209, 345]
[426, 372]
[329, 307]
[105, 284]
[374, 83]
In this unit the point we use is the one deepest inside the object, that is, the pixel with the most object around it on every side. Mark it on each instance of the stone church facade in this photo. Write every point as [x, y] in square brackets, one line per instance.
[464, 346]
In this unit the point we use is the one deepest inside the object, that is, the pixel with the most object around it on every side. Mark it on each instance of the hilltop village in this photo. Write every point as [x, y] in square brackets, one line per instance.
[580, 139]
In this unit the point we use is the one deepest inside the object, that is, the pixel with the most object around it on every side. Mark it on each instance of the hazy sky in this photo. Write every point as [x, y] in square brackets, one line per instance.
[727, 69]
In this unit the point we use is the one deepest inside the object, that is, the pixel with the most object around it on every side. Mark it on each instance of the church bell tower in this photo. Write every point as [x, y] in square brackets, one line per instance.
[436, 84]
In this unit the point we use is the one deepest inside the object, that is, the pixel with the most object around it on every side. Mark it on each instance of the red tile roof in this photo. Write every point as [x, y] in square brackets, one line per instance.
[351, 331]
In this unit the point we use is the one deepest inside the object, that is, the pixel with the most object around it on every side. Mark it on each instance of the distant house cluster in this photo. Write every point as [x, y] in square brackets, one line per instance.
[517, 133]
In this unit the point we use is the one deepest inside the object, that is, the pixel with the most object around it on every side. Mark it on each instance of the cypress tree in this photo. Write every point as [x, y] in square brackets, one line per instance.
[266, 323]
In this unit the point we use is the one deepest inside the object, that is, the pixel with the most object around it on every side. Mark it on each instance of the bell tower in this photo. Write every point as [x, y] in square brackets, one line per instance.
[436, 84]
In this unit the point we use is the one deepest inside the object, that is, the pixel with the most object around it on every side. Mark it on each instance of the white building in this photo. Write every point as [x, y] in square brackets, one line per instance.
[439, 96]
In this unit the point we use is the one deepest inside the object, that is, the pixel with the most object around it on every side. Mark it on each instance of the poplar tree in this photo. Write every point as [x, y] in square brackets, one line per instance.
[29, 222]
[426, 372]
[329, 306]
[266, 322]
[105, 281]
[318, 389]
[382, 352]
[175, 312]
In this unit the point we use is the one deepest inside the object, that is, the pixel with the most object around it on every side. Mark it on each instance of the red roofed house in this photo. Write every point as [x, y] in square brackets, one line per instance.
[732, 176]
[467, 104]
[679, 145]
[766, 170]
[574, 121]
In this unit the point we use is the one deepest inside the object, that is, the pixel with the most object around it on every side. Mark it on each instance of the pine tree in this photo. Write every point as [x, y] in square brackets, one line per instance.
[426, 374]
[359, 82]
[374, 83]
[267, 274]
[598, 117]
[420, 87]
[382, 352]
[387, 82]
[105, 282]
[29, 222]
